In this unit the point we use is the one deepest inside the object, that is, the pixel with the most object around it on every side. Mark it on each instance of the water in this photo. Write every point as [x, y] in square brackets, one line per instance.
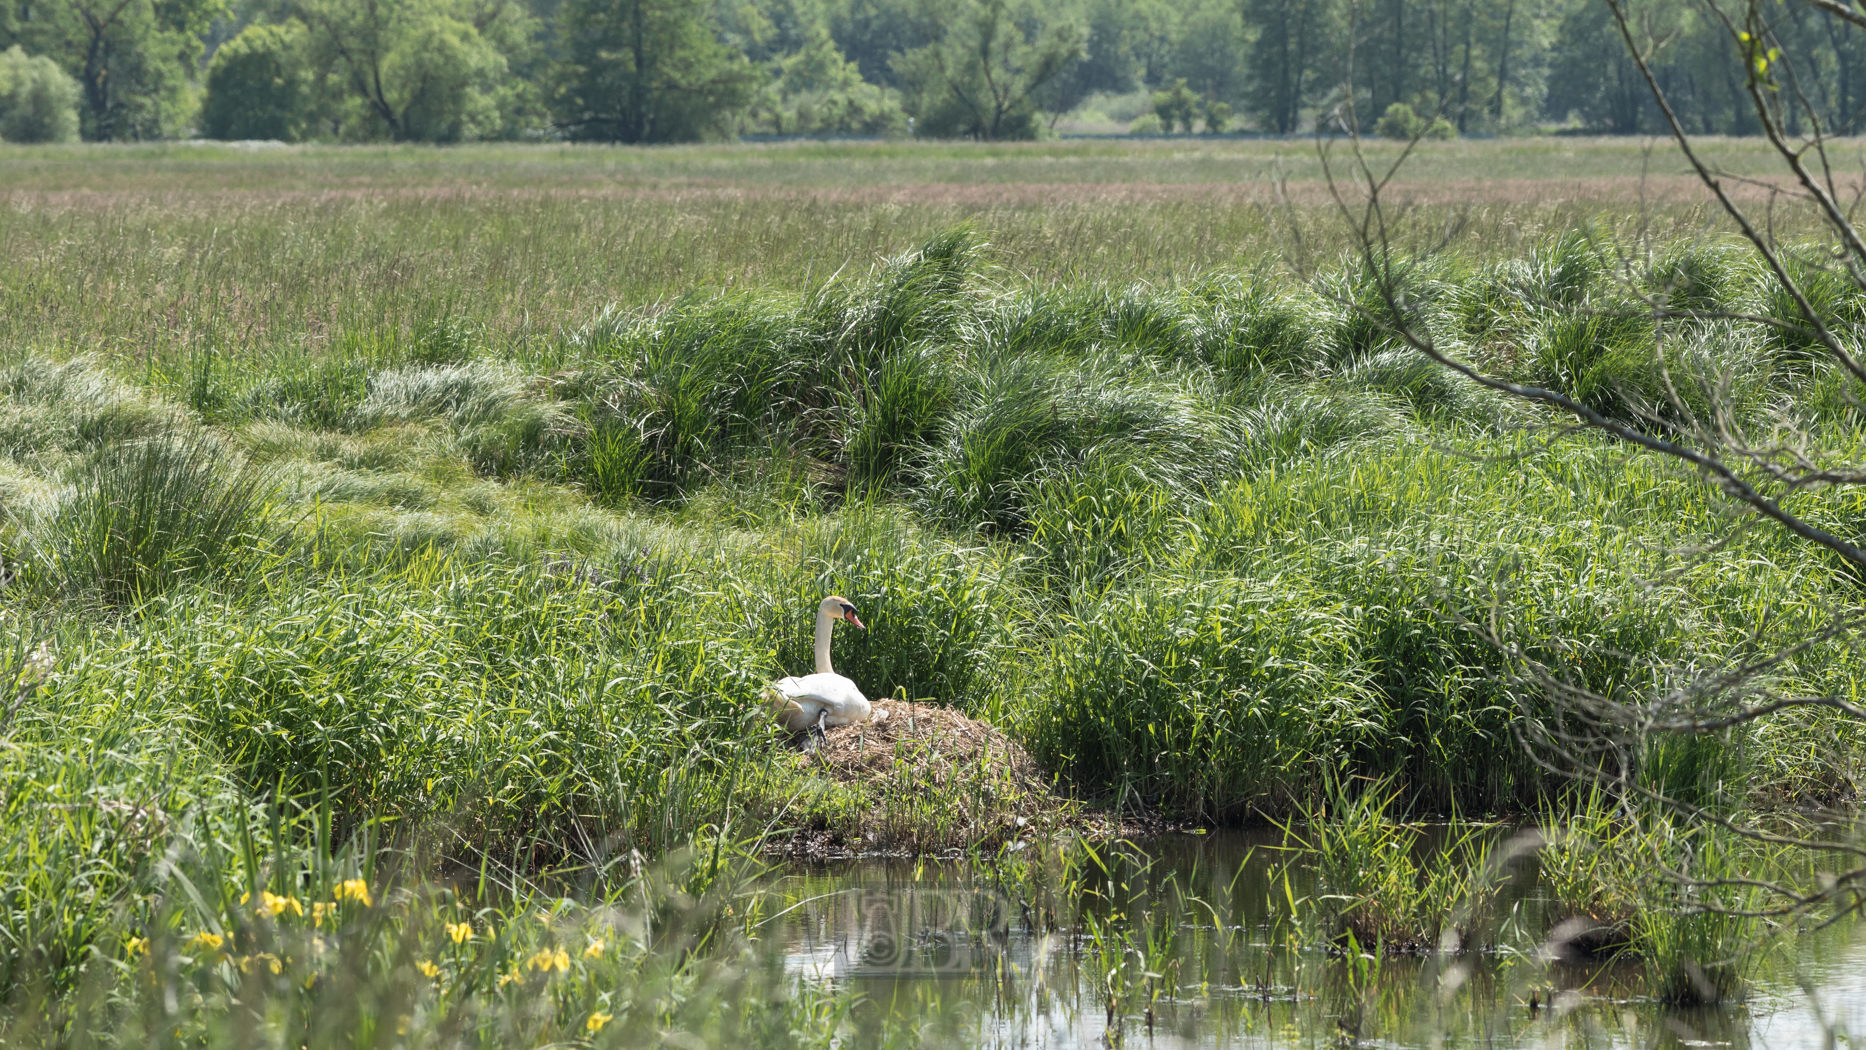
[1196, 949]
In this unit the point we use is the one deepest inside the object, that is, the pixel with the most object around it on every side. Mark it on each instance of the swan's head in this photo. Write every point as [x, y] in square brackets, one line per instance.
[839, 609]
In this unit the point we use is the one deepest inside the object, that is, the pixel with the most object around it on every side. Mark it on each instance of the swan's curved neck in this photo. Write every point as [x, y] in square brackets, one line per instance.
[824, 625]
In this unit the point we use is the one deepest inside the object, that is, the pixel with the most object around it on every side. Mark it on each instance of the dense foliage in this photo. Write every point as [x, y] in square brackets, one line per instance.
[684, 70]
[1195, 545]
[38, 102]
[136, 61]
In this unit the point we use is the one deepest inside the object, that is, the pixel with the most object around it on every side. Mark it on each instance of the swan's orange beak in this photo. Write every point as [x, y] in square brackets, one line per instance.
[849, 615]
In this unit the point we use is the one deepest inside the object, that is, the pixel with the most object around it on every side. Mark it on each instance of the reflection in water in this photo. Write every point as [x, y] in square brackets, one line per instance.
[891, 931]
[1195, 950]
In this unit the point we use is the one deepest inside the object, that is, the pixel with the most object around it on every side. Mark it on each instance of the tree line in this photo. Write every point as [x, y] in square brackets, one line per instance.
[686, 70]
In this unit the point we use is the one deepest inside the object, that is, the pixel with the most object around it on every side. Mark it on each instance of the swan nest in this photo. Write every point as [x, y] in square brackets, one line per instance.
[935, 779]
[937, 741]
[926, 779]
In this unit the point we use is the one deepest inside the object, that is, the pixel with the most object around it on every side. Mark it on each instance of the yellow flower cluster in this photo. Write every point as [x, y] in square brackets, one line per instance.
[460, 931]
[271, 904]
[137, 945]
[546, 959]
[206, 940]
[319, 909]
[428, 969]
[595, 950]
[354, 890]
[271, 961]
[597, 1020]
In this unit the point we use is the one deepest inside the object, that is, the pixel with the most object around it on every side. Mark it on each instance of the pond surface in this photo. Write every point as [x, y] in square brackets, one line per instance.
[1194, 949]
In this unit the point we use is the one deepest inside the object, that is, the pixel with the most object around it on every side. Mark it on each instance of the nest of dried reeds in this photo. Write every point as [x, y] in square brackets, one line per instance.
[934, 779]
[935, 746]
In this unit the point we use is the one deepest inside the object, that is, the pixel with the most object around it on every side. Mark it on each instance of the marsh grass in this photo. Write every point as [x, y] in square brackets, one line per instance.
[1376, 888]
[187, 264]
[1193, 531]
[1697, 935]
[134, 520]
[1188, 565]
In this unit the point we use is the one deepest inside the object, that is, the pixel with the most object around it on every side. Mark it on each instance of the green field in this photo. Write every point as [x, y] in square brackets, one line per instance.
[124, 252]
[435, 518]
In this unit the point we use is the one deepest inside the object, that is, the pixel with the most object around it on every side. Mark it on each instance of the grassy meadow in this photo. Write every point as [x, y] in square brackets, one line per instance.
[125, 253]
[414, 531]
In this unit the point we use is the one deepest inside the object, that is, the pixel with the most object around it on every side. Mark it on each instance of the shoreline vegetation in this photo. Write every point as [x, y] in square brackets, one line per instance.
[333, 630]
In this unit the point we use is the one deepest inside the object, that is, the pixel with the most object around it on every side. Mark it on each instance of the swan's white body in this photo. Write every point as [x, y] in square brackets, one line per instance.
[823, 699]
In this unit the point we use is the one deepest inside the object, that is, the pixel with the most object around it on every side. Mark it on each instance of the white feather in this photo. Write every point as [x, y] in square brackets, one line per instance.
[798, 702]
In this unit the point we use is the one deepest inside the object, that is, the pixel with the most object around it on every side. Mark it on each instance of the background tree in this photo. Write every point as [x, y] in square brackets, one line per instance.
[416, 70]
[1114, 58]
[665, 70]
[1210, 51]
[981, 76]
[872, 32]
[1176, 107]
[1217, 117]
[134, 59]
[1595, 80]
[38, 100]
[647, 71]
[1288, 60]
[258, 86]
[815, 90]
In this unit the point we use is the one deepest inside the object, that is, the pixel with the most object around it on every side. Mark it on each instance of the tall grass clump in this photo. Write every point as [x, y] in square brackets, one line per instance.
[1832, 294]
[892, 408]
[320, 394]
[1372, 304]
[880, 373]
[1695, 932]
[915, 297]
[1215, 698]
[1701, 278]
[96, 795]
[1024, 417]
[1108, 521]
[136, 519]
[1418, 384]
[1450, 575]
[1238, 326]
[1375, 887]
[458, 686]
[464, 395]
[1626, 367]
[356, 394]
[665, 401]
[675, 394]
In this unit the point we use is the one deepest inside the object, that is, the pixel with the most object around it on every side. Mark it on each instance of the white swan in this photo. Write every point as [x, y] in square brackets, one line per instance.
[815, 701]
